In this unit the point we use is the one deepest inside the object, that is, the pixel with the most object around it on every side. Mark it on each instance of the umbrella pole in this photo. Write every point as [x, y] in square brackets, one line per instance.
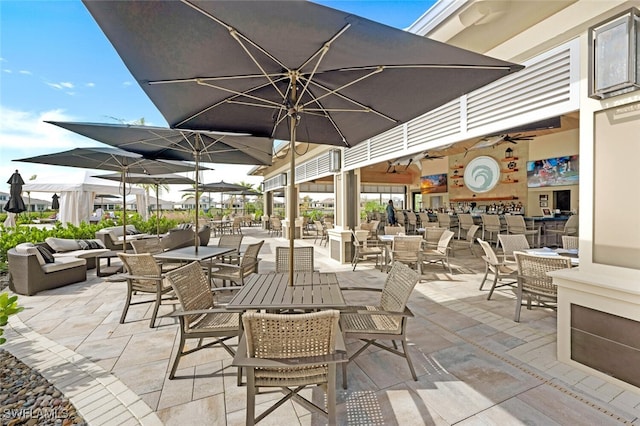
[197, 158]
[124, 211]
[292, 174]
[158, 209]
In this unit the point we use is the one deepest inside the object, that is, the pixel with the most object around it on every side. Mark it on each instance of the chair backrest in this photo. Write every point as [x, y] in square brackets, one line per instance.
[471, 233]
[570, 242]
[143, 264]
[432, 235]
[251, 253]
[400, 217]
[515, 224]
[398, 287]
[276, 224]
[178, 238]
[302, 258]
[571, 226]
[204, 234]
[444, 241]
[147, 245]
[489, 254]
[511, 243]
[532, 272]
[360, 237]
[230, 241]
[424, 218]
[290, 335]
[411, 218]
[491, 222]
[409, 243]
[319, 227]
[465, 220]
[192, 288]
[444, 220]
[393, 230]
[374, 226]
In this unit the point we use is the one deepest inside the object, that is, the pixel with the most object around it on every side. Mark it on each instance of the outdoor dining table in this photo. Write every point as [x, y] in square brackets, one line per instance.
[271, 291]
[188, 254]
[545, 251]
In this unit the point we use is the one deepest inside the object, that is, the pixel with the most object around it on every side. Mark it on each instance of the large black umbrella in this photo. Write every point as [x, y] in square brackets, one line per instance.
[180, 144]
[221, 187]
[55, 204]
[156, 181]
[113, 159]
[15, 204]
[291, 70]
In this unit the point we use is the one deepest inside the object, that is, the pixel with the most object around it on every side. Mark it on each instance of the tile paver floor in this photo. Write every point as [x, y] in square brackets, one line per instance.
[474, 364]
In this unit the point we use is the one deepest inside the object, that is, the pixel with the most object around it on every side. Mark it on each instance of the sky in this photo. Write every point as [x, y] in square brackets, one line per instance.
[56, 64]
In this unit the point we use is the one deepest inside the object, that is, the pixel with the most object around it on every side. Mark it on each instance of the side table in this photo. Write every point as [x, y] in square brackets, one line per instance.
[104, 271]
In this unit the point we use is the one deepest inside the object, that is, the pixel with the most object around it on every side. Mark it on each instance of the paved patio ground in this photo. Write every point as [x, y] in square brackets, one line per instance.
[475, 365]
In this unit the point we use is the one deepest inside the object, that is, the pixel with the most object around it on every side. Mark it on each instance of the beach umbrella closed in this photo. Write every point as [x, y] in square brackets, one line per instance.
[113, 159]
[55, 204]
[290, 70]
[15, 204]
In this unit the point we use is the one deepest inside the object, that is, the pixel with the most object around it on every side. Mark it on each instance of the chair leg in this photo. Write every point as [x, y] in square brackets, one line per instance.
[126, 304]
[405, 348]
[156, 306]
[251, 397]
[493, 287]
[518, 304]
[344, 375]
[331, 395]
[176, 359]
[486, 272]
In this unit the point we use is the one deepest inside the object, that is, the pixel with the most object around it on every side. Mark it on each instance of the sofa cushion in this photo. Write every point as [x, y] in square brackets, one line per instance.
[46, 254]
[90, 244]
[63, 263]
[30, 248]
[62, 244]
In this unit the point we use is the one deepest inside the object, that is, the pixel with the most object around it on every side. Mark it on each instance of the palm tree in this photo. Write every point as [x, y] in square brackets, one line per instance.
[33, 177]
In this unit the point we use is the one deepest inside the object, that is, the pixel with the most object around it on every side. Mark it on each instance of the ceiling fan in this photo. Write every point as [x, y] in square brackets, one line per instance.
[408, 160]
[491, 141]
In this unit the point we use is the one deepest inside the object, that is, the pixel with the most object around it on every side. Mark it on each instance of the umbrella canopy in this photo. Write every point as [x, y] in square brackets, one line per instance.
[15, 203]
[301, 72]
[55, 204]
[179, 144]
[155, 180]
[220, 187]
[113, 159]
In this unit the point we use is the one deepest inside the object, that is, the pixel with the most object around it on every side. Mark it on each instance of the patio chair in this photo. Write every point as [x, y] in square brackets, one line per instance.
[302, 258]
[363, 251]
[465, 222]
[236, 226]
[445, 220]
[291, 352]
[153, 246]
[276, 227]
[533, 281]
[512, 243]
[440, 254]
[407, 249]
[499, 268]
[237, 273]
[570, 228]
[321, 232]
[517, 225]
[143, 275]
[467, 243]
[385, 321]
[233, 242]
[492, 225]
[198, 315]
[393, 230]
[432, 236]
[412, 222]
[570, 242]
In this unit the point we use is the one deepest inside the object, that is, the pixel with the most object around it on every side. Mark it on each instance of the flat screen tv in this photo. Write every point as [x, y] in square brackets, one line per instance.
[558, 171]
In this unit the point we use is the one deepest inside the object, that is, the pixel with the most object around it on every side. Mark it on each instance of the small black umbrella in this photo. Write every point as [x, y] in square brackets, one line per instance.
[55, 204]
[15, 203]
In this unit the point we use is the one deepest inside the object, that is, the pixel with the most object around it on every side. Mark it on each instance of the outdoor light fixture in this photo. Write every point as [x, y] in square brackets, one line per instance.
[508, 153]
[334, 160]
[613, 56]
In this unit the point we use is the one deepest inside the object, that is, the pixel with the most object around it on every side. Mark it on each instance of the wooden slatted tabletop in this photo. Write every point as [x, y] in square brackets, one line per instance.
[312, 291]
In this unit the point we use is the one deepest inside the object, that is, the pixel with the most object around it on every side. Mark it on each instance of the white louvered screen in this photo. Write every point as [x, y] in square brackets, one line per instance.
[388, 142]
[355, 155]
[439, 123]
[314, 168]
[276, 182]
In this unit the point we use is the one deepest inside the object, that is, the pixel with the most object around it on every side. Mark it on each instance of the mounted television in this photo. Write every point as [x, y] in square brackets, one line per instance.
[558, 171]
[433, 184]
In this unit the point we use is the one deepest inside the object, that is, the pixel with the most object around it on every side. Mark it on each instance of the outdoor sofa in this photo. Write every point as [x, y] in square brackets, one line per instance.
[30, 273]
[113, 236]
[84, 249]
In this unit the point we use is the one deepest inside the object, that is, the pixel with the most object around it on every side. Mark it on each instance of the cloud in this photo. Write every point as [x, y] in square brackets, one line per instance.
[126, 83]
[61, 85]
[8, 71]
[90, 85]
[24, 72]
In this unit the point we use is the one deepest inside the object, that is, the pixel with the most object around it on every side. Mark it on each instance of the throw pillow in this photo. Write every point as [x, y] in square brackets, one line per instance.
[90, 244]
[46, 254]
[62, 244]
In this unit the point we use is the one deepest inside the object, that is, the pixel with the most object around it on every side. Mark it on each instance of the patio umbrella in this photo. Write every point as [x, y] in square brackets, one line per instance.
[220, 187]
[15, 204]
[55, 204]
[156, 181]
[179, 144]
[113, 159]
[299, 72]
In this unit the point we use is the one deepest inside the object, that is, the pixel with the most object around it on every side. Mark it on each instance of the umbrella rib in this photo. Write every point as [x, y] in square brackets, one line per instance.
[237, 35]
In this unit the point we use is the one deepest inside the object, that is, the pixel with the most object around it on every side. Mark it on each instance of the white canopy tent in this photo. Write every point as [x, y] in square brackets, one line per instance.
[78, 189]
